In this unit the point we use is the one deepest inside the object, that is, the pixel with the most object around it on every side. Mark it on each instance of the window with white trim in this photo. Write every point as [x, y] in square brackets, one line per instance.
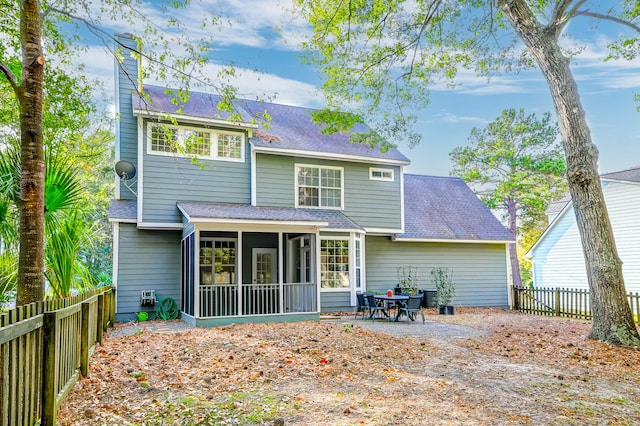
[166, 139]
[319, 186]
[230, 145]
[334, 263]
[376, 173]
[358, 263]
[217, 261]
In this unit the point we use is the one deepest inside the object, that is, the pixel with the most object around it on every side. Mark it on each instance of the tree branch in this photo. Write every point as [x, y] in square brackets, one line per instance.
[608, 18]
[13, 82]
[561, 17]
[102, 34]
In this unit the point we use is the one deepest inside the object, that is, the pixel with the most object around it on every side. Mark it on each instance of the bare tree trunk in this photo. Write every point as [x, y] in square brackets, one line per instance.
[31, 258]
[513, 247]
[612, 317]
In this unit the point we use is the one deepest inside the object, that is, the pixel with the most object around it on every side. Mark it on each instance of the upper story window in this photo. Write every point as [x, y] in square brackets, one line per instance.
[380, 174]
[319, 186]
[202, 143]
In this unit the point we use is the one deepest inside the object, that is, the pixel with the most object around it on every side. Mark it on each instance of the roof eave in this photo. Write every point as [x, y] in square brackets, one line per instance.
[122, 220]
[332, 155]
[194, 120]
[447, 240]
[257, 222]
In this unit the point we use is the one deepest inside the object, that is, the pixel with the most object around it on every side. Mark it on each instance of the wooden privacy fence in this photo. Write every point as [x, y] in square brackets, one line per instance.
[44, 347]
[562, 302]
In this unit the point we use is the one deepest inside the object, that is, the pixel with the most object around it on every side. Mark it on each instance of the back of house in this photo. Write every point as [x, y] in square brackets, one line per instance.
[237, 222]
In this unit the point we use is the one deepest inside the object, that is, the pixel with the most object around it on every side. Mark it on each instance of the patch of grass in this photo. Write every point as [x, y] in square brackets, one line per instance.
[236, 408]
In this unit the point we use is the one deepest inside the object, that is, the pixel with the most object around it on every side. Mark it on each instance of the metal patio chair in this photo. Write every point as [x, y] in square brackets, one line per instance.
[411, 308]
[363, 305]
[375, 307]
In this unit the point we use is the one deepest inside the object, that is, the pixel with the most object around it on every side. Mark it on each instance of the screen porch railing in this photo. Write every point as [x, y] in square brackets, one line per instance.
[257, 299]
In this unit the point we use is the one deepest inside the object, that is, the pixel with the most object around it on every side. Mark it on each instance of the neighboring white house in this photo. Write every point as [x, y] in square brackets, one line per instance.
[557, 256]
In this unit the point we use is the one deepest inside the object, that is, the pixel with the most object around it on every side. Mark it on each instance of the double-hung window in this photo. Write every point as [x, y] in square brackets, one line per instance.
[217, 261]
[165, 139]
[334, 263]
[320, 187]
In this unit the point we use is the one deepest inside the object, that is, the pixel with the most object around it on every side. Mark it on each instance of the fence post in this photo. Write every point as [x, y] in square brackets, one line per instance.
[84, 340]
[558, 309]
[112, 314]
[100, 321]
[49, 370]
[107, 309]
[4, 381]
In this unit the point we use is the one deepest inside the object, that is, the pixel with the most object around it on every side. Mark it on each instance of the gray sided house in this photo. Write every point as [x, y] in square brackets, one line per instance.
[238, 222]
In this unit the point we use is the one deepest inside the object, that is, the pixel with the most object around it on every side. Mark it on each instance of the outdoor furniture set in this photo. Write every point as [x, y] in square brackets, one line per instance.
[374, 306]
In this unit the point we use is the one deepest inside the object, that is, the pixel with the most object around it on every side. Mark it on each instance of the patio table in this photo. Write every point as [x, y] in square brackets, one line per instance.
[396, 298]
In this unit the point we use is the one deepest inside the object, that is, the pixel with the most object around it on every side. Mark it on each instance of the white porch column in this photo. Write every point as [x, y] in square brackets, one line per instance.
[318, 268]
[281, 270]
[239, 271]
[196, 273]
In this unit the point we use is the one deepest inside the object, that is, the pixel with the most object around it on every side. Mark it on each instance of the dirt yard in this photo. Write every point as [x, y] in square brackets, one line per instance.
[491, 367]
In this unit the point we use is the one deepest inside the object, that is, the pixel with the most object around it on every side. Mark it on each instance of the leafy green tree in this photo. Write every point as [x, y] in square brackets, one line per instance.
[516, 165]
[67, 234]
[30, 31]
[70, 118]
[382, 56]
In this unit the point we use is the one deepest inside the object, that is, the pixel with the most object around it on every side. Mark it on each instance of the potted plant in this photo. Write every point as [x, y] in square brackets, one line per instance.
[408, 279]
[445, 290]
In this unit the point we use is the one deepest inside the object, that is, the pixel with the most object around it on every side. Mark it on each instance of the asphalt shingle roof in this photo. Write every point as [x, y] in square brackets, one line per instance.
[445, 208]
[631, 175]
[201, 210]
[123, 209]
[291, 128]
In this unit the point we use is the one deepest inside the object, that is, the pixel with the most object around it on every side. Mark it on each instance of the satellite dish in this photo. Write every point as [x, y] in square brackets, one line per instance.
[125, 170]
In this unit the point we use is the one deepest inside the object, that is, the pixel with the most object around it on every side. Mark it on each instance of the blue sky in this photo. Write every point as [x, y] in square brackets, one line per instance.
[606, 89]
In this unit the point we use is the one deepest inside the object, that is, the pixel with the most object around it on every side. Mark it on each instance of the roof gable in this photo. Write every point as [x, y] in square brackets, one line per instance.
[628, 175]
[445, 208]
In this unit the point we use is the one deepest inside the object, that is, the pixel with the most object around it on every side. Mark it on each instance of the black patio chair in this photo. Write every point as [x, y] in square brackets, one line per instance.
[363, 305]
[375, 307]
[411, 308]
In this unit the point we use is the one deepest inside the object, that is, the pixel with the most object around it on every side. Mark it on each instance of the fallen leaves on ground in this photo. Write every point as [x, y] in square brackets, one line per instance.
[527, 370]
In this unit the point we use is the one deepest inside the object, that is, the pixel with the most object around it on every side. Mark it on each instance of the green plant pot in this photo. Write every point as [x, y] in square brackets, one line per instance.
[142, 316]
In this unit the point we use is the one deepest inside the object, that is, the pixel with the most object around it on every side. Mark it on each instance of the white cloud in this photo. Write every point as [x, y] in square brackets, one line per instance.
[251, 83]
[448, 117]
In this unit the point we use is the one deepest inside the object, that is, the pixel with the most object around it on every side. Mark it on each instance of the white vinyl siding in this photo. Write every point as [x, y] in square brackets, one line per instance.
[557, 258]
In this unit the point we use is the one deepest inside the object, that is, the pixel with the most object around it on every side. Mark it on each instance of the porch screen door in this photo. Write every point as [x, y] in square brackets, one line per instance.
[264, 269]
